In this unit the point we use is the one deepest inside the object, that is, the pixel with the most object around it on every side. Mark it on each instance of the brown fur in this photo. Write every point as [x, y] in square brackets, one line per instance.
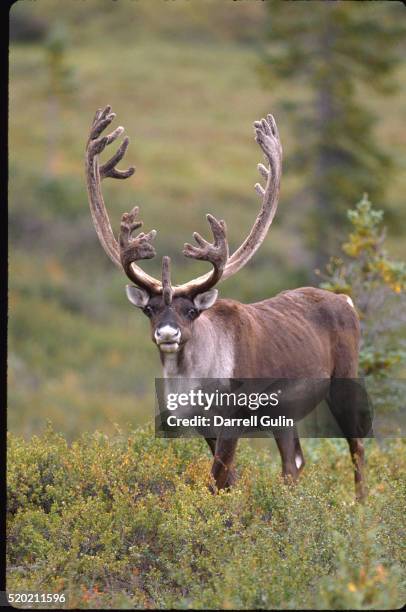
[320, 328]
[300, 333]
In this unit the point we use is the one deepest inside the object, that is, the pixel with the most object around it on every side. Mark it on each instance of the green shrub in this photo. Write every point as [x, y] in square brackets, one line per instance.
[377, 285]
[129, 522]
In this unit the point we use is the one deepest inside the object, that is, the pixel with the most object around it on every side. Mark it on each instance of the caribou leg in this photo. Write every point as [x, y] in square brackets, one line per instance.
[212, 445]
[358, 459]
[222, 469]
[299, 457]
[348, 403]
[288, 446]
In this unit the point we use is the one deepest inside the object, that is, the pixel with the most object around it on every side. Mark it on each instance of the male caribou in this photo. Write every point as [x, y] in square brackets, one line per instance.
[301, 333]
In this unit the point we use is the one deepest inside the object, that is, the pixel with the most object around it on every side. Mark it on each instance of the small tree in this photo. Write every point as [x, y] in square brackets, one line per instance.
[377, 285]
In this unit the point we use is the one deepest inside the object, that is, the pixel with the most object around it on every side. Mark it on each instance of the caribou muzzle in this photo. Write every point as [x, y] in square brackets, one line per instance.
[167, 338]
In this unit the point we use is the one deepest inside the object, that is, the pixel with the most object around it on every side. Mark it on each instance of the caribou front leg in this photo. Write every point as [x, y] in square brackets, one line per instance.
[223, 471]
[212, 445]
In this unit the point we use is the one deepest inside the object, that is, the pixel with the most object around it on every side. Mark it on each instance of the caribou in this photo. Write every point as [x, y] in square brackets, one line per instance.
[301, 333]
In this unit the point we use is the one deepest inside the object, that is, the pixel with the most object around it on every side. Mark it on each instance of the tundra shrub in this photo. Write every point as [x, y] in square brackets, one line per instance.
[377, 284]
[128, 522]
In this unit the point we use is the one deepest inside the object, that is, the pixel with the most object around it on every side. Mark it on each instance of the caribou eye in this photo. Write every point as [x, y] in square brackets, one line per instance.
[192, 313]
[148, 310]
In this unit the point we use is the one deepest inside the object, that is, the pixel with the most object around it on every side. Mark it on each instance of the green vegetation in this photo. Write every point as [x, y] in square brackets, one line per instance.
[127, 521]
[377, 285]
[332, 50]
[184, 83]
[78, 353]
[123, 519]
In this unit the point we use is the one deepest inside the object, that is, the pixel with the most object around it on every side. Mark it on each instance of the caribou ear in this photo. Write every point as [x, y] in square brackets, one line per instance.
[204, 300]
[138, 297]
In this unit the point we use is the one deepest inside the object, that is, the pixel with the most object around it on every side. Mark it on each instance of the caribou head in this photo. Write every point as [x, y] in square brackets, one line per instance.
[172, 321]
[172, 310]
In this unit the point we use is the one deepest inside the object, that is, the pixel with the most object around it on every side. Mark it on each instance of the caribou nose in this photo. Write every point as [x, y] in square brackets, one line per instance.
[167, 333]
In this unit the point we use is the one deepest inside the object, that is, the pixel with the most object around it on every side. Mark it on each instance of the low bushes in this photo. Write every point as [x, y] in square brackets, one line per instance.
[128, 522]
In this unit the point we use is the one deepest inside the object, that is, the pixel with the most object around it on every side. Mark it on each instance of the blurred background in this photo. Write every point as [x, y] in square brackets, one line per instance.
[187, 80]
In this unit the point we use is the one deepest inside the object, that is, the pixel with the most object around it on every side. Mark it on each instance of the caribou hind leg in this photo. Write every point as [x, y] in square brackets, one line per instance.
[291, 455]
[358, 459]
[299, 457]
[348, 403]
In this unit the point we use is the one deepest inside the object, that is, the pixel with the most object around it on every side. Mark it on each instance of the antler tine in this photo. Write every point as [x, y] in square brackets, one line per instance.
[130, 249]
[133, 249]
[96, 145]
[263, 171]
[167, 291]
[216, 253]
[109, 168]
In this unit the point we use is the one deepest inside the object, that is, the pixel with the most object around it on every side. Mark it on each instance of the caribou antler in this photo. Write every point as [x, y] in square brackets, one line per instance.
[167, 291]
[216, 253]
[134, 249]
[130, 249]
[266, 135]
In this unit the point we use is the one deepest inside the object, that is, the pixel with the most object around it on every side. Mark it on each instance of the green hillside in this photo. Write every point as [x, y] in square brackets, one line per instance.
[183, 80]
